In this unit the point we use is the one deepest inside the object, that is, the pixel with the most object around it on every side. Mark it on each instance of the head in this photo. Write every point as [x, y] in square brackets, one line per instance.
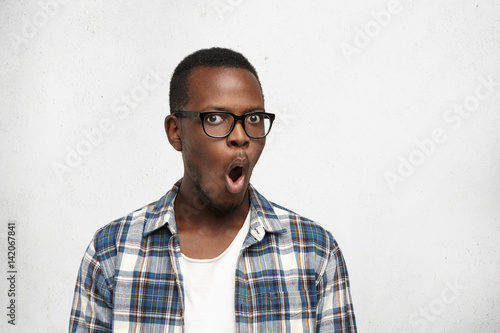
[213, 57]
[216, 170]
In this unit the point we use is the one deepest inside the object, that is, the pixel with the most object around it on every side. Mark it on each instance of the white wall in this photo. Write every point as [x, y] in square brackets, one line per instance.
[422, 253]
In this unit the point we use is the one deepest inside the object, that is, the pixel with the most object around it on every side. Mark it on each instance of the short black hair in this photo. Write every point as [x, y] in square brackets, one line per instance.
[213, 57]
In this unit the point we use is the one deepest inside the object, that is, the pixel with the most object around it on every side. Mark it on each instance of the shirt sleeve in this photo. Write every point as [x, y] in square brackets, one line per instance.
[92, 303]
[335, 311]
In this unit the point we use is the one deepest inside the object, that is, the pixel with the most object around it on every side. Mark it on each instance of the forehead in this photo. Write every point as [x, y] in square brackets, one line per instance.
[223, 87]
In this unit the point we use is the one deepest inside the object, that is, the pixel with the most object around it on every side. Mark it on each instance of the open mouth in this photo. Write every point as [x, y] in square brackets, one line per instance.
[235, 173]
[235, 176]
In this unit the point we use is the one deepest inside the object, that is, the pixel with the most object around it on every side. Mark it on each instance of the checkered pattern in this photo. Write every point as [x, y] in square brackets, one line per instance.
[291, 276]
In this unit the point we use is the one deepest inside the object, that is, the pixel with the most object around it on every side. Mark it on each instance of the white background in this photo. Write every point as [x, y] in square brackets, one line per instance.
[422, 254]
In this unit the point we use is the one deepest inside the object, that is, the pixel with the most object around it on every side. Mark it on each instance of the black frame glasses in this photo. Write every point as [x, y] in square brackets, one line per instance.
[243, 118]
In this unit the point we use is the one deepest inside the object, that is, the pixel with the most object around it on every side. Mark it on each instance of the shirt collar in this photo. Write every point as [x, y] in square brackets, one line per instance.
[162, 213]
[262, 214]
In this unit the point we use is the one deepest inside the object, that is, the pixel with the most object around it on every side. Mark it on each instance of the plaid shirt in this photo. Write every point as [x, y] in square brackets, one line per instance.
[290, 276]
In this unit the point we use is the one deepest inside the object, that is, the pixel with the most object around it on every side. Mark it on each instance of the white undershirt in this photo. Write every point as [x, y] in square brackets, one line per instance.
[209, 289]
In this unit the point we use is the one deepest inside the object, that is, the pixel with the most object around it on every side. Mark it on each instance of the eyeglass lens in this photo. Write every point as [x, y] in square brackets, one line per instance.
[220, 124]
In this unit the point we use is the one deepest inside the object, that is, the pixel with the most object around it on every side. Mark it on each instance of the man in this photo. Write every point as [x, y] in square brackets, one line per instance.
[213, 255]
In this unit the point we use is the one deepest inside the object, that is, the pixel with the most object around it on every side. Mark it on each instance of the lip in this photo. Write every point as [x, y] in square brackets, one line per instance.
[238, 185]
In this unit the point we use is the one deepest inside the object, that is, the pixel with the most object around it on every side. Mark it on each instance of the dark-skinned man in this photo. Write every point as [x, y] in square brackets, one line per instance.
[213, 255]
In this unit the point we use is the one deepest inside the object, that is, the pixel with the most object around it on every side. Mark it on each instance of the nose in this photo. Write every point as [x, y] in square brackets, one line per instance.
[238, 137]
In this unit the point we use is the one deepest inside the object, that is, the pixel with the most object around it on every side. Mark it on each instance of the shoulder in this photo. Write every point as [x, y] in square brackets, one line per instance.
[304, 230]
[109, 238]
[133, 226]
[292, 227]
[313, 246]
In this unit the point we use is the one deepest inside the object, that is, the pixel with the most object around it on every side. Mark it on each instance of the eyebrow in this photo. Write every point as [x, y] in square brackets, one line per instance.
[221, 108]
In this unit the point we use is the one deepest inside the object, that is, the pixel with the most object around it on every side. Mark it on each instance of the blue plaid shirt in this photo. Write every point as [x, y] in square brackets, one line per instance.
[290, 276]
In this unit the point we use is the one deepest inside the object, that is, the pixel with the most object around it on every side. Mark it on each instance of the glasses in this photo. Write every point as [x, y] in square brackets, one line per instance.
[219, 124]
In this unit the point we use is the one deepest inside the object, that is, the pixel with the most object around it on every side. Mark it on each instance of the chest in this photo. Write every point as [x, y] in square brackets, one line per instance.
[274, 287]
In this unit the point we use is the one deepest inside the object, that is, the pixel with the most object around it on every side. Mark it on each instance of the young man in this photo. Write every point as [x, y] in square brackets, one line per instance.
[213, 255]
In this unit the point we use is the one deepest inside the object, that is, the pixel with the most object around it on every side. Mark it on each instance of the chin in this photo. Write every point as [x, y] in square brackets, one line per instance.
[223, 205]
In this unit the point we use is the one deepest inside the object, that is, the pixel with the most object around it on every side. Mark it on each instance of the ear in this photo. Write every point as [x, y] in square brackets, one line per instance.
[173, 130]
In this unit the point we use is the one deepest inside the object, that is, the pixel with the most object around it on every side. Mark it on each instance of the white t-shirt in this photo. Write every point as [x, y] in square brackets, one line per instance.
[209, 288]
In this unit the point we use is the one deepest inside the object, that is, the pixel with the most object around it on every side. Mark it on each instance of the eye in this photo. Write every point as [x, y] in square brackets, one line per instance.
[214, 119]
[254, 119]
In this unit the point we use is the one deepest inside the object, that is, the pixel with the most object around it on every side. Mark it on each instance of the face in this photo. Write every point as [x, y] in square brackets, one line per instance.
[217, 170]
